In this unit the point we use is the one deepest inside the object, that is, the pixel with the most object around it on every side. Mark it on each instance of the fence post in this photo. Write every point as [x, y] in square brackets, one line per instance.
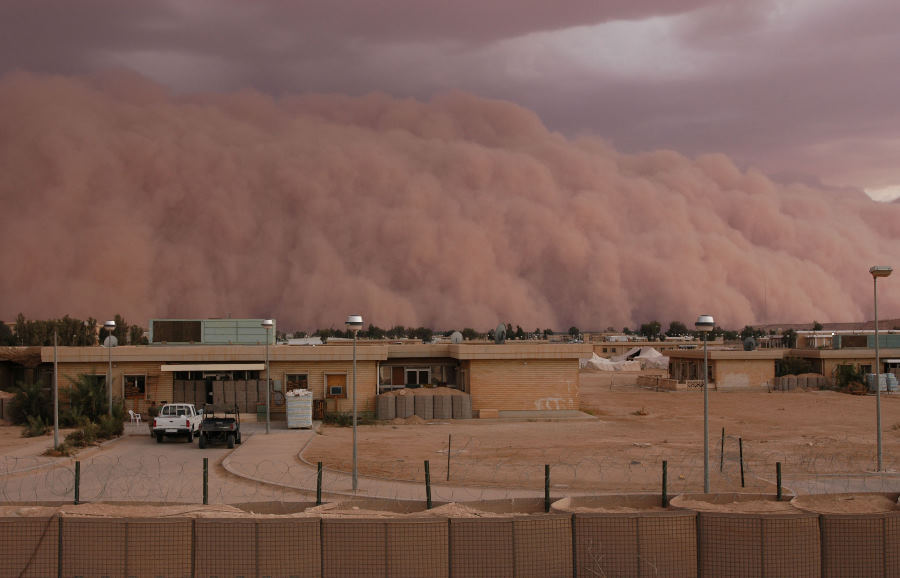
[665, 481]
[77, 481]
[741, 449]
[59, 547]
[722, 456]
[318, 483]
[205, 481]
[427, 485]
[546, 487]
[449, 439]
[778, 479]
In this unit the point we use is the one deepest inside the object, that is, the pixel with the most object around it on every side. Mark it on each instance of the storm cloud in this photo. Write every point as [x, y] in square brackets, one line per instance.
[119, 196]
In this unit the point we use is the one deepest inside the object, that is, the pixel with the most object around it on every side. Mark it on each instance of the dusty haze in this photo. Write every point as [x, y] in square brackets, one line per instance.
[460, 211]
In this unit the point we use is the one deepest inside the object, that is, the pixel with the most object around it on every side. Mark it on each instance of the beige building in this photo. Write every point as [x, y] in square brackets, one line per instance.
[512, 376]
[728, 369]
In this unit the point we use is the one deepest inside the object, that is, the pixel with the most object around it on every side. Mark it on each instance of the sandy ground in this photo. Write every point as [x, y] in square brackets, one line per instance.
[813, 434]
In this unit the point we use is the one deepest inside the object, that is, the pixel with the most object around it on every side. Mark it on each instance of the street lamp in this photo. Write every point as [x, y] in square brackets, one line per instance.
[268, 324]
[877, 272]
[110, 340]
[705, 323]
[354, 323]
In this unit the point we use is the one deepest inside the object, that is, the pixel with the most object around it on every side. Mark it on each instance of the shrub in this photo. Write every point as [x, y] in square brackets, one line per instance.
[110, 426]
[35, 427]
[87, 397]
[30, 401]
[345, 419]
[83, 436]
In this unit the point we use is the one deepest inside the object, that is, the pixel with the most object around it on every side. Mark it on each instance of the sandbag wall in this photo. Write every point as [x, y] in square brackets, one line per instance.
[455, 406]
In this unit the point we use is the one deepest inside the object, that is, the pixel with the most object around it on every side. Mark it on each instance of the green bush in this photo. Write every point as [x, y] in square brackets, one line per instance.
[35, 427]
[83, 436]
[110, 426]
[88, 397]
[31, 400]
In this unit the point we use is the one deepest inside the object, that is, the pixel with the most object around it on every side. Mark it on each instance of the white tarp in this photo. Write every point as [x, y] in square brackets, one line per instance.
[597, 363]
[635, 359]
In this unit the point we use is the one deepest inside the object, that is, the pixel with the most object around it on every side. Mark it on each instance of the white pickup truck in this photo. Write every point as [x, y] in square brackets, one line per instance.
[177, 419]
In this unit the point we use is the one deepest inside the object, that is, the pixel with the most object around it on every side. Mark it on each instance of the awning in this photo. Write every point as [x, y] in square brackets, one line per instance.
[891, 360]
[213, 367]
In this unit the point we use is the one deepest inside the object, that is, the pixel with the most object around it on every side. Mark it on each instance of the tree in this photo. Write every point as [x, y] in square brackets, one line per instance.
[520, 334]
[6, 335]
[426, 334]
[30, 401]
[375, 332]
[790, 338]
[547, 333]
[88, 397]
[677, 328]
[574, 332]
[469, 334]
[650, 330]
[136, 335]
[747, 331]
[817, 326]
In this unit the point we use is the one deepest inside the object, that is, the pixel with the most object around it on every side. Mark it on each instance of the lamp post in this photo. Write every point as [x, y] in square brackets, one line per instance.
[705, 323]
[268, 324]
[109, 326]
[354, 323]
[878, 271]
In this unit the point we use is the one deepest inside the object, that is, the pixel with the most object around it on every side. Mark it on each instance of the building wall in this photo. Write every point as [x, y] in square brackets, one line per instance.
[158, 383]
[529, 384]
[743, 373]
[316, 370]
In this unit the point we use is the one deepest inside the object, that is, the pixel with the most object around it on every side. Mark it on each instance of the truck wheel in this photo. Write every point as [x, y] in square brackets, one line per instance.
[202, 441]
[159, 438]
[238, 439]
[190, 436]
[230, 440]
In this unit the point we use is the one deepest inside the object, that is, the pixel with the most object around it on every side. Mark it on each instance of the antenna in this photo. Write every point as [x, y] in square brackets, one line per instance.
[500, 334]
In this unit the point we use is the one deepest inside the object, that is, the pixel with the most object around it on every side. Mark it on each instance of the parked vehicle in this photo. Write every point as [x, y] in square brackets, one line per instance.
[220, 424]
[177, 419]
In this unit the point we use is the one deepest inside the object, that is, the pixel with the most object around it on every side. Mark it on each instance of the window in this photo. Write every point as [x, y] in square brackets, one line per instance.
[417, 376]
[135, 385]
[335, 385]
[296, 381]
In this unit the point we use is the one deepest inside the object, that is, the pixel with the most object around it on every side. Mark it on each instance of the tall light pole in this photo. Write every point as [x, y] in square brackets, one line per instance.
[705, 323]
[354, 323]
[878, 271]
[55, 388]
[268, 324]
[109, 326]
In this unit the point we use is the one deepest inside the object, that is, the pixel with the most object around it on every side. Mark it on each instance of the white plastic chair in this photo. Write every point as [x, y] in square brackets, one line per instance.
[135, 417]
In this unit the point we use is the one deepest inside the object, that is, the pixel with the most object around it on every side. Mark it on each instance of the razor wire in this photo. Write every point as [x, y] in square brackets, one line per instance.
[480, 468]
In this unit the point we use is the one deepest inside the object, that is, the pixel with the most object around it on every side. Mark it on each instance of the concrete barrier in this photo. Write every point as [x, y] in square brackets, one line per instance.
[424, 406]
[461, 406]
[443, 407]
[385, 407]
[405, 406]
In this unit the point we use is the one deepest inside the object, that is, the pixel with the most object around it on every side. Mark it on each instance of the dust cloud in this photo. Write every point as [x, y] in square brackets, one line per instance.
[118, 196]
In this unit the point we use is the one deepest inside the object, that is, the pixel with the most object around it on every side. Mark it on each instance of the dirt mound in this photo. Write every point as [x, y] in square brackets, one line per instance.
[151, 511]
[733, 503]
[847, 503]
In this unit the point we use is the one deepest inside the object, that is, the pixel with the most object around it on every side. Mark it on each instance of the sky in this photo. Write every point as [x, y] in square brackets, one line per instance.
[613, 162]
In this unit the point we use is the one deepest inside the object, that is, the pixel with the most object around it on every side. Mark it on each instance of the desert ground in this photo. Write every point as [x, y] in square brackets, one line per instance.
[820, 437]
[825, 441]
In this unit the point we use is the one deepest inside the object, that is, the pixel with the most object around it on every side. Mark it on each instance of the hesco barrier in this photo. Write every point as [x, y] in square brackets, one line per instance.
[652, 543]
[759, 544]
[860, 544]
[636, 544]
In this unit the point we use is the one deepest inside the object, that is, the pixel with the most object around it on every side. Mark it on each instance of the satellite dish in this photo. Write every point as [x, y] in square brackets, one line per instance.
[456, 337]
[110, 341]
[500, 334]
